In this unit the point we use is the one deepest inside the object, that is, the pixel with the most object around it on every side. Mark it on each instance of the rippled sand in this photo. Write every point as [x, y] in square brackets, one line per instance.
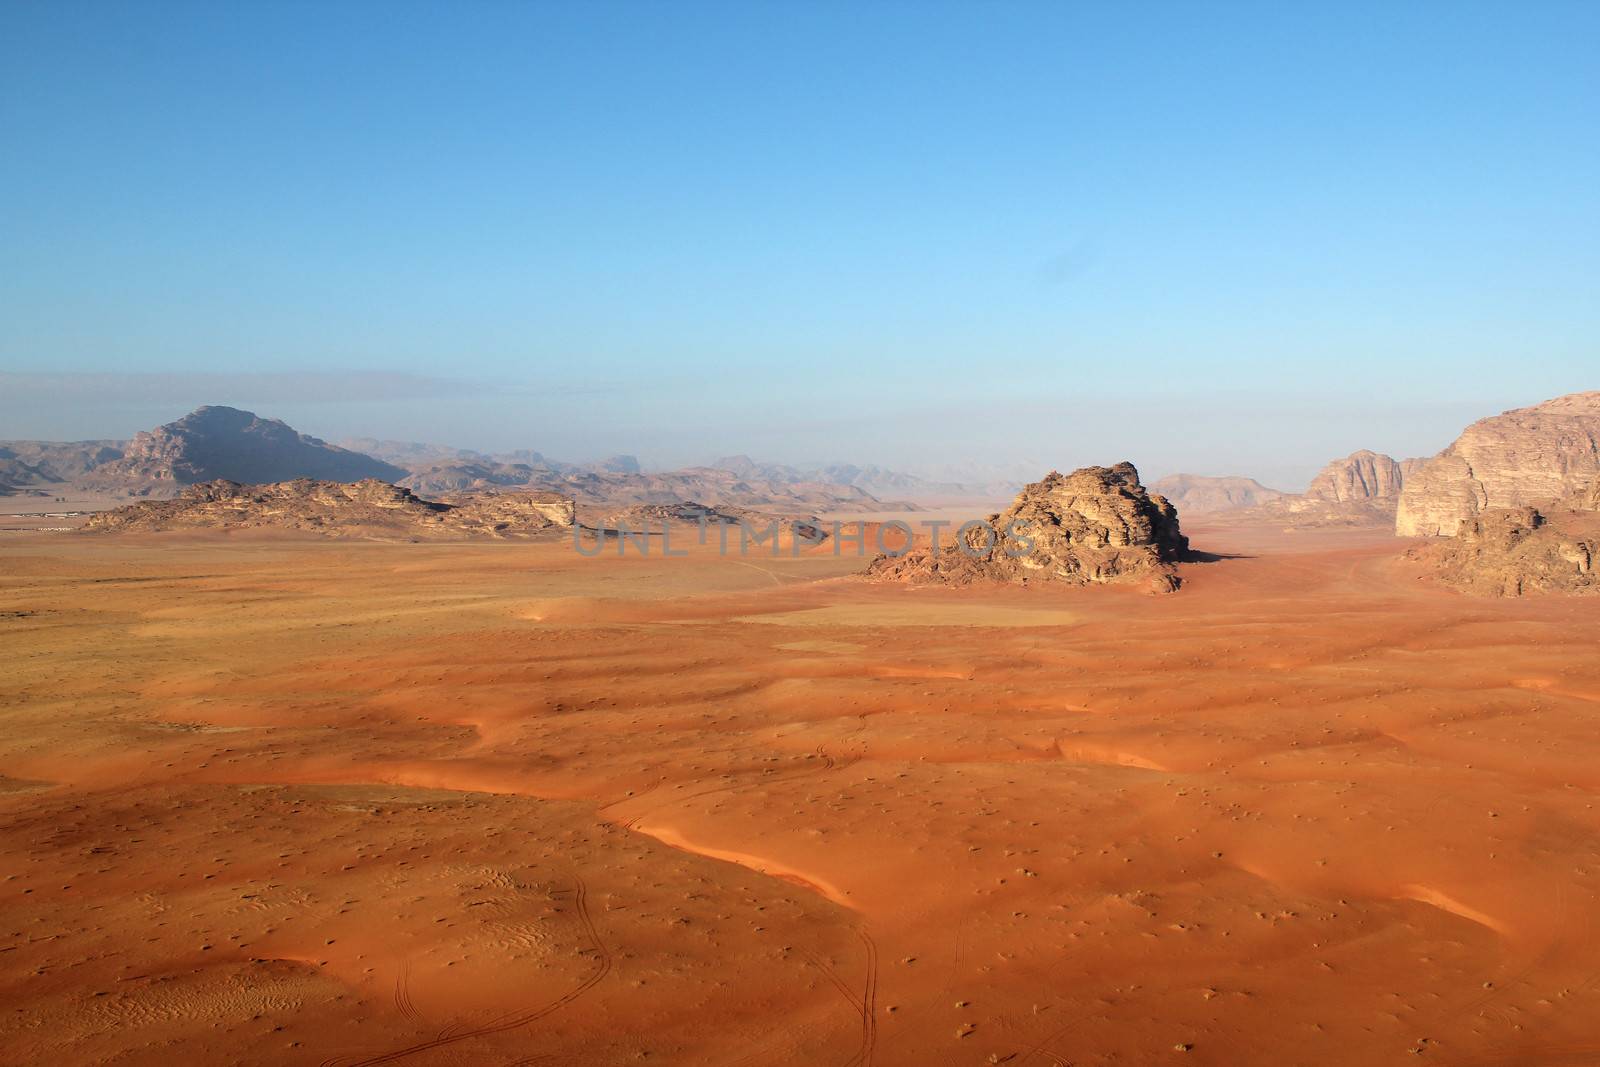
[269, 802]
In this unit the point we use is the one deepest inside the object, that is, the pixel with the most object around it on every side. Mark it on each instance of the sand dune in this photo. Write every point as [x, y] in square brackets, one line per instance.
[274, 802]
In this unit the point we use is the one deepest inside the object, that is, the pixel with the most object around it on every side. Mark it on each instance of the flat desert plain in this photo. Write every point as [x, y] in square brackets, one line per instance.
[273, 801]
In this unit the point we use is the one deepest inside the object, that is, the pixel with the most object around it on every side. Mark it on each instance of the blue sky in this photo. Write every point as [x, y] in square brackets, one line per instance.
[1225, 238]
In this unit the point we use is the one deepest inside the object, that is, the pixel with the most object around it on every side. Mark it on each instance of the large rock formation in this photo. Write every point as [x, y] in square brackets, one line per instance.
[221, 442]
[1199, 494]
[1363, 475]
[1096, 525]
[1362, 489]
[1522, 550]
[339, 509]
[1528, 456]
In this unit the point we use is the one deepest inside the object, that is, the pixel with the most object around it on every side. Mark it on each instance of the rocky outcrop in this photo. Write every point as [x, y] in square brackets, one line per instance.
[1198, 494]
[1363, 475]
[213, 443]
[340, 509]
[1094, 526]
[1528, 456]
[1520, 551]
[465, 476]
[651, 517]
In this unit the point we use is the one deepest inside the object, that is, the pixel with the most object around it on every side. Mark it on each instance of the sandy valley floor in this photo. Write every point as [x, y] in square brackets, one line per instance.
[284, 802]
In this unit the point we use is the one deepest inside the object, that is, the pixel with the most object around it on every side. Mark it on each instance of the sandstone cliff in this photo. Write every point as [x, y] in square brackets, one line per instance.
[1361, 489]
[221, 442]
[1096, 525]
[1528, 456]
[1363, 475]
[339, 509]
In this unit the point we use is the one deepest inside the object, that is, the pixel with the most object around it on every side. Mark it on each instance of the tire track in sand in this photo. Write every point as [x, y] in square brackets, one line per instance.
[402, 993]
[865, 1004]
[516, 1020]
[869, 1006]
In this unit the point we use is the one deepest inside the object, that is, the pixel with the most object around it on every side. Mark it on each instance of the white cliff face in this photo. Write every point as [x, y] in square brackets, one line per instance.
[1528, 456]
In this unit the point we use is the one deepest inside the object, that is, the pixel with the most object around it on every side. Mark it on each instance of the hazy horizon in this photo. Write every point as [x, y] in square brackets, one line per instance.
[1239, 240]
[115, 407]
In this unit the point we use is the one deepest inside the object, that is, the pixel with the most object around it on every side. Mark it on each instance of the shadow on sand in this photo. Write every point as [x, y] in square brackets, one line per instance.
[1196, 556]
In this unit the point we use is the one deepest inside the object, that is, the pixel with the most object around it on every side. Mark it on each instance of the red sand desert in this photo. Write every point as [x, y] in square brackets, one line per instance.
[280, 801]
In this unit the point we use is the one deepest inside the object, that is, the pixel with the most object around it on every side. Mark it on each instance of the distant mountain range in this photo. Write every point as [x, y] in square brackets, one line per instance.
[1524, 457]
[39, 465]
[1200, 494]
[872, 478]
[415, 456]
[226, 443]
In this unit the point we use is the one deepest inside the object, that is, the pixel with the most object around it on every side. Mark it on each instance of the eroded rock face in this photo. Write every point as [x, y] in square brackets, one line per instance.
[1520, 551]
[1362, 489]
[340, 509]
[1094, 526]
[1199, 494]
[1528, 456]
[1363, 475]
[222, 442]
